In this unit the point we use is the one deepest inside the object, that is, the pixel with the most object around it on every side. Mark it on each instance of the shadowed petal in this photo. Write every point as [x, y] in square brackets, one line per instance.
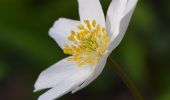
[97, 71]
[55, 74]
[121, 23]
[130, 5]
[114, 13]
[66, 85]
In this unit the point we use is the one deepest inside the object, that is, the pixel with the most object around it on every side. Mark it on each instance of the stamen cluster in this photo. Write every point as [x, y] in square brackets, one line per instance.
[88, 45]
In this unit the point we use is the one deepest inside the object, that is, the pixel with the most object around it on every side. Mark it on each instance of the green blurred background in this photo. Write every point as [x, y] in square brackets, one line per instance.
[26, 50]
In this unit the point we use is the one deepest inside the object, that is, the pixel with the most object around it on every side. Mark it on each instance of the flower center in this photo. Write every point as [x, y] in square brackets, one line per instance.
[88, 45]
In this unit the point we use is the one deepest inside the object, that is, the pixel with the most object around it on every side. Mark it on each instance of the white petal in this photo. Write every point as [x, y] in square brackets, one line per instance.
[61, 30]
[97, 71]
[55, 74]
[91, 10]
[67, 85]
[121, 25]
[114, 13]
[130, 5]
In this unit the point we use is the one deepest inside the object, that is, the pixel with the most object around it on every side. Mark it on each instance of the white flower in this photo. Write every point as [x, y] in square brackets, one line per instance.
[91, 41]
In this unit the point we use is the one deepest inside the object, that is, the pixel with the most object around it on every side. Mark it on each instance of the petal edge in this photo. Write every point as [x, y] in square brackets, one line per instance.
[61, 30]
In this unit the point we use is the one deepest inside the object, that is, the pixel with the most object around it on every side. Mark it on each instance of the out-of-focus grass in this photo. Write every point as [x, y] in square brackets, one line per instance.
[3, 70]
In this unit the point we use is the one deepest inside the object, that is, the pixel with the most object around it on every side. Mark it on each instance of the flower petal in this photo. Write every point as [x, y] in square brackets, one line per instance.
[130, 5]
[67, 85]
[122, 23]
[114, 13]
[91, 10]
[55, 74]
[97, 71]
[61, 30]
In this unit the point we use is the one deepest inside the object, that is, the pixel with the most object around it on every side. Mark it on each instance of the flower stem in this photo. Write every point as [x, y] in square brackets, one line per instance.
[119, 71]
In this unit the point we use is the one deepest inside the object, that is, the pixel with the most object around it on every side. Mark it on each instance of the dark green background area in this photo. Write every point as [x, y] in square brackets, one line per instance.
[26, 49]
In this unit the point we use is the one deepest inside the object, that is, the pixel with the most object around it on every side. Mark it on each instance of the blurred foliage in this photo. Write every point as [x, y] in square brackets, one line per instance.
[26, 50]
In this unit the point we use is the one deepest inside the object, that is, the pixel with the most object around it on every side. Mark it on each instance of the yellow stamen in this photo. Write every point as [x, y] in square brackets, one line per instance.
[88, 45]
[80, 27]
[94, 23]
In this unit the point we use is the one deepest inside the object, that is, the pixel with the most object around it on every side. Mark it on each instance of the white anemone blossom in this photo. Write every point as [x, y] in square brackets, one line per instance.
[88, 42]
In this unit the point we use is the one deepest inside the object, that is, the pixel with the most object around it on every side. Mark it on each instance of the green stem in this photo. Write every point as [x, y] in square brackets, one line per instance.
[119, 71]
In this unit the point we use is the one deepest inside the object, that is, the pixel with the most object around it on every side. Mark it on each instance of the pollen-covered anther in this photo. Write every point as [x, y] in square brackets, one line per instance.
[88, 44]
